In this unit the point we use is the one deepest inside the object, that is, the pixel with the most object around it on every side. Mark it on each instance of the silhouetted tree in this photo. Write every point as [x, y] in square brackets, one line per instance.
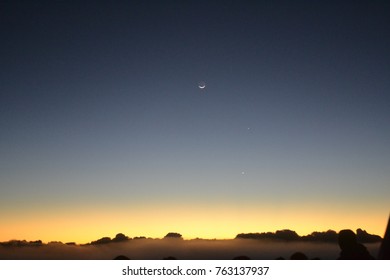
[328, 236]
[55, 243]
[286, 234]
[248, 236]
[21, 243]
[104, 240]
[120, 237]
[263, 235]
[173, 235]
[36, 243]
[289, 235]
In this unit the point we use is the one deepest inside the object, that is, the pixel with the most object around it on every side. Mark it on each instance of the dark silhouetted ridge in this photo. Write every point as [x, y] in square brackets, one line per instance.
[330, 236]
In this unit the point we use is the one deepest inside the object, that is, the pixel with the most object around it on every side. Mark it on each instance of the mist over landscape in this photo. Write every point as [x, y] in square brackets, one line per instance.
[281, 244]
[145, 249]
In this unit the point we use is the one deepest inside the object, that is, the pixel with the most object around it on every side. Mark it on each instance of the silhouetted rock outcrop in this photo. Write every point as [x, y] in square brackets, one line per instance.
[350, 248]
[363, 237]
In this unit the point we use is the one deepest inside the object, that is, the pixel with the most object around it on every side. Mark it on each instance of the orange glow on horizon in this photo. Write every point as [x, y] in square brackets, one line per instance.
[192, 221]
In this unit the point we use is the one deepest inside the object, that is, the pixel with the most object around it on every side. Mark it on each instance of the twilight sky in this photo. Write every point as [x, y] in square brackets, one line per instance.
[103, 128]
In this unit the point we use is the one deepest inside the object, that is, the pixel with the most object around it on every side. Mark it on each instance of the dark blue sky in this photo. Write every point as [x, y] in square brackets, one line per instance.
[100, 98]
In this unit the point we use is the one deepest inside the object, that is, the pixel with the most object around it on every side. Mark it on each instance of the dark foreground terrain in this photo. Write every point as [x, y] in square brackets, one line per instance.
[145, 249]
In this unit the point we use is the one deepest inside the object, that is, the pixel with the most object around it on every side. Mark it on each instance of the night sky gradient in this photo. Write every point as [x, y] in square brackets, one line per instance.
[103, 128]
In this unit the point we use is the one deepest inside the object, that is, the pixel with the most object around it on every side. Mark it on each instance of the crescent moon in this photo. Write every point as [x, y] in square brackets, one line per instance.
[201, 84]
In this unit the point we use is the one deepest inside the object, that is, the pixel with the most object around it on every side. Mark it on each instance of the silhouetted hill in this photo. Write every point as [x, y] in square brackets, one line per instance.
[282, 235]
[21, 243]
[289, 235]
[254, 246]
[363, 237]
